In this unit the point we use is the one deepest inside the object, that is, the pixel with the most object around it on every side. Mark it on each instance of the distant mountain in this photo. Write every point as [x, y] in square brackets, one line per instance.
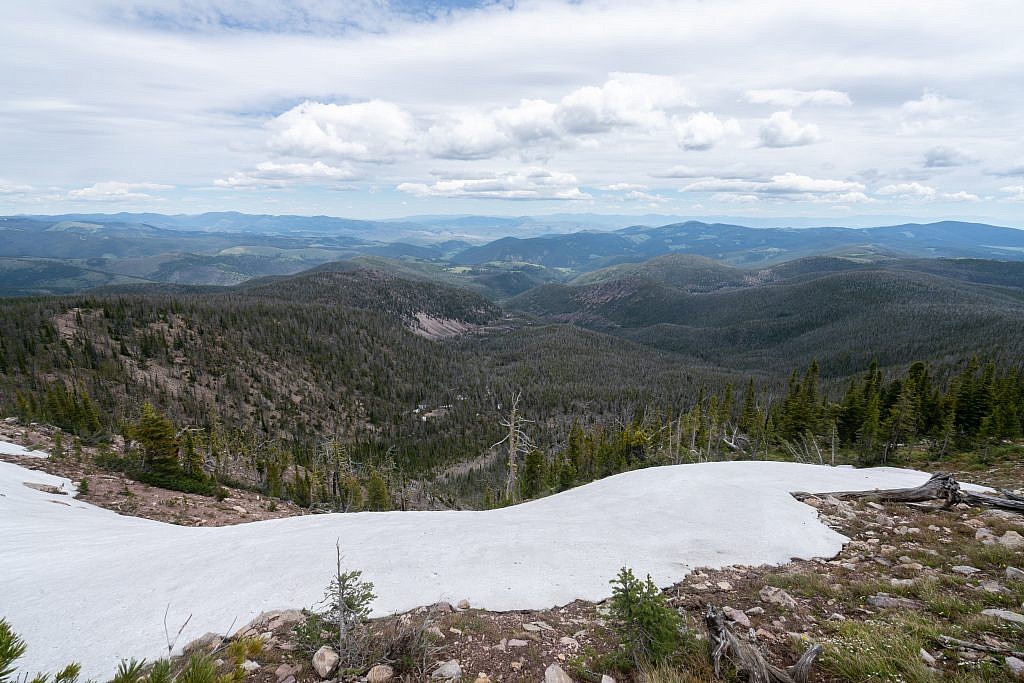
[849, 312]
[739, 245]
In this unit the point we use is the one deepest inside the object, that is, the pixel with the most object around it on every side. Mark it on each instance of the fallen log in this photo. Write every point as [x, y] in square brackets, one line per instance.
[1012, 504]
[950, 642]
[747, 659]
[940, 486]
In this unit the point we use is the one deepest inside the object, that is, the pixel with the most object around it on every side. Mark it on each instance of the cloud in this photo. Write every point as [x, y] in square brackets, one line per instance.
[273, 174]
[945, 156]
[931, 113]
[527, 184]
[1016, 192]
[7, 187]
[790, 99]
[626, 99]
[622, 187]
[1008, 171]
[780, 130]
[785, 186]
[917, 191]
[703, 130]
[118, 191]
[374, 131]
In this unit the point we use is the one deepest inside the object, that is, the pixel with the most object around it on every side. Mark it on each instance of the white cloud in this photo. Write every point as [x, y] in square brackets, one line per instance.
[931, 113]
[273, 174]
[623, 187]
[790, 99]
[117, 191]
[1016, 192]
[626, 99]
[7, 187]
[781, 130]
[787, 184]
[364, 131]
[917, 191]
[945, 156]
[703, 130]
[527, 184]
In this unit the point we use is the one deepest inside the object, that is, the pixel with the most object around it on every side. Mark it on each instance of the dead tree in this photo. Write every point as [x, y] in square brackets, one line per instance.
[516, 440]
[747, 659]
[941, 486]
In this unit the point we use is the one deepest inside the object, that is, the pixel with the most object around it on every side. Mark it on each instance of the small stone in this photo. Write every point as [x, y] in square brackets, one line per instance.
[927, 658]
[778, 597]
[515, 666]
[204, 644]
[239, 509]
[1014, 574]
[569, 641]
[436, 632]
[965, 569]
[482, 678]
[607, 679]
[531, 627]
[724, 585]
[380, 674]
[1016, 666]
[555, 674]
[515, 642]
[886, 601]
[284, 671]
[450, 670]
[737, 616]
[1005, 615]
[1012, 540]
[441, 608]
[325, 661]
[463, 604]
[991, 586]
[249, 666]
[754, 611]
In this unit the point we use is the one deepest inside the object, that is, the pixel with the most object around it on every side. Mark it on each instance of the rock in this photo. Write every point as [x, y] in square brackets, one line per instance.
[812, 501]
[737, 616]
[204, 644]
[927, 658]
[436, 632]
[515, 642]
[886, 601]
[755, 611]
[990, 586]
[555, 674]
[1005, 615]
[1014, 574]
[325, 661]
[249, 666]
[441, 608]
[1012, 540]
[239, 509]
[607, 679]
[450, 670]
[531, 627]
[570, 641]
[482, 678]
[463, 604]
[1016, 667]
[965, 569]
[380, 674]
[778, 596]
[285, 671]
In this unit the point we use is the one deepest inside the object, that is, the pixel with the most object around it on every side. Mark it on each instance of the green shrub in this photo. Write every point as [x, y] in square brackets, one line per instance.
[648, 629]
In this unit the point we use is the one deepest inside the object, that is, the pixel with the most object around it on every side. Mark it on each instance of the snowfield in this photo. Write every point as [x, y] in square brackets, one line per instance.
[81, 583]
[8, 448]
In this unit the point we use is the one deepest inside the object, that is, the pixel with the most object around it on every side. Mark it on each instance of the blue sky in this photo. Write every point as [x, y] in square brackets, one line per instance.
[367, 108]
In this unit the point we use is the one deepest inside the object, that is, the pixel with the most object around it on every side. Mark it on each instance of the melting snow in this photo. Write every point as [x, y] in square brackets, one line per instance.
[83, 583]
[7, 448]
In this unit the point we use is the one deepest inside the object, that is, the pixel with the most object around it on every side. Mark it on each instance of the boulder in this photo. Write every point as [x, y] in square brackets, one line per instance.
[325, 661]
[1005, 615]
[1016, 666]
[965, 569]
[448, 671]
[555, 674]
[463, 604]
[735, 615]
[778, 596]
[1014, 574]
[1012, 540]
[285, 671]
[380, 674]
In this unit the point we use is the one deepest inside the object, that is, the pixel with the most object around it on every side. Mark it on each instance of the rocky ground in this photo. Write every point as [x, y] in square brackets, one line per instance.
[885, 609]
[125, 496]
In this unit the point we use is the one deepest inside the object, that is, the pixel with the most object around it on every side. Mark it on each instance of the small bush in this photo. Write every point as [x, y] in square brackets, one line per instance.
[648, 629]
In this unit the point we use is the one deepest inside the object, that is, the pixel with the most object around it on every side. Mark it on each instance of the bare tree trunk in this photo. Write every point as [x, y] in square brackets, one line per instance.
[746, 658]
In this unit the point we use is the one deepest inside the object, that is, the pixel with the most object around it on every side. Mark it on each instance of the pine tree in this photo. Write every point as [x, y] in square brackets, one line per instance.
[531, 480]
[377, 496]
[155, 436]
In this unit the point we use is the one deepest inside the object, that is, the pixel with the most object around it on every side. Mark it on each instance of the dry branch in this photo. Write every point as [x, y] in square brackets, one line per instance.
[950, 642]
[747, 659]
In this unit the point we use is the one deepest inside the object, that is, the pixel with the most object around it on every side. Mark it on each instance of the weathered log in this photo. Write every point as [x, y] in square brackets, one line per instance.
[747, 659]
[940, 486]
[1012, 504]
[1011, 495]
[950, 642]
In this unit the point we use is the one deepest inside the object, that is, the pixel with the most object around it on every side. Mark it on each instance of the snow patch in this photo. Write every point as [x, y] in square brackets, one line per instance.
[86, 584]
[8, 448]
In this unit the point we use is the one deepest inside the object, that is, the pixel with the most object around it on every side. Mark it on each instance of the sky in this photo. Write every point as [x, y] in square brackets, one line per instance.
[377, 109]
